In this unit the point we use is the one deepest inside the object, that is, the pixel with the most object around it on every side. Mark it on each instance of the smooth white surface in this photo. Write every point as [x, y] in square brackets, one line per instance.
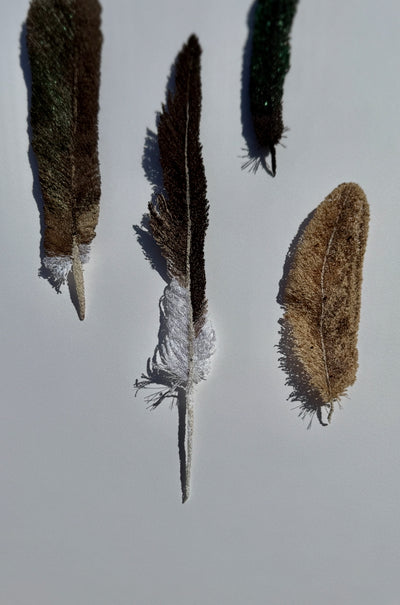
[90, 508]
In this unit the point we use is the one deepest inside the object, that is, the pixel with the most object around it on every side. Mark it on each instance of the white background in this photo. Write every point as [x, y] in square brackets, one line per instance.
[90, 510]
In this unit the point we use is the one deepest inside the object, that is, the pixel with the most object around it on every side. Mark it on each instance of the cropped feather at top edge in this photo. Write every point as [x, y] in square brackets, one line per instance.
[64, 45]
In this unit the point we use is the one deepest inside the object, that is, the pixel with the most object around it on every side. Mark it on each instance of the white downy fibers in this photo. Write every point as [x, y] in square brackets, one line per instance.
[60, 266]
[172, 357]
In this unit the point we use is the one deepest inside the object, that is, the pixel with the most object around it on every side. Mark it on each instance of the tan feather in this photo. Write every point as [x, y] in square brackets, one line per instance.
[322, 294]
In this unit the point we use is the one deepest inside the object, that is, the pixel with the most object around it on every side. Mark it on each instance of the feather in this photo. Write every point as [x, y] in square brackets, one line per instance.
[64, 44]
[178, 223]
[270, 62]
[322, 295]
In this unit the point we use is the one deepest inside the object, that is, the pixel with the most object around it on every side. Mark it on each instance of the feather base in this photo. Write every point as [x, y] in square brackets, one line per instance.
[59, 267]
[172, 364]
[180, 361]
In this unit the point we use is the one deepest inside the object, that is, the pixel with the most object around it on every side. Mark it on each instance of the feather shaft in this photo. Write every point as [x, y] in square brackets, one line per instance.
[187, 428]
[78, 277]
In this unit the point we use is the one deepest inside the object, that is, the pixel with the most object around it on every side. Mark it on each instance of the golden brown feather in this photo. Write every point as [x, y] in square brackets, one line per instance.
[322, 295]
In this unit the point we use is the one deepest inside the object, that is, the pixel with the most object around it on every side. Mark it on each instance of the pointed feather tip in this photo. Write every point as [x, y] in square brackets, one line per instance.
[268, 131]
[191, 47]
[68, 269]
[273, 160]
[80, 294]
[329, 416]
[81, 312]
[330, 412]
[259, 158]
[185, 483]
[193, 43]
[77, 273]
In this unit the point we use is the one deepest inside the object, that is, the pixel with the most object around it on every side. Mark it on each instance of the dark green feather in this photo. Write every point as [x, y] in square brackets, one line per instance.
[270, 62]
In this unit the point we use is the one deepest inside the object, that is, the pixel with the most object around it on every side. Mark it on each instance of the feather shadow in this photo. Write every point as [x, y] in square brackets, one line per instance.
[150, 249]
[151, 165]
[254, 156]
[152, 169]
[36, 190]
[308, 398]
[153, 172]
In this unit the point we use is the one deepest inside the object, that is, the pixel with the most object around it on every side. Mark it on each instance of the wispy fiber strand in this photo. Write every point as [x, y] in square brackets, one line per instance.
[322, 295]
[64, 44]
[178, 223]
[270, 62]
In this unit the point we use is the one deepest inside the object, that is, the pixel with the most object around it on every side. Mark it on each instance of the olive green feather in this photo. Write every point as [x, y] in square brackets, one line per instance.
[64, 45]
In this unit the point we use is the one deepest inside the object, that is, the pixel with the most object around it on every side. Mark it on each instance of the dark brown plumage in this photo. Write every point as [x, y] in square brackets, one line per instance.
[180, 220]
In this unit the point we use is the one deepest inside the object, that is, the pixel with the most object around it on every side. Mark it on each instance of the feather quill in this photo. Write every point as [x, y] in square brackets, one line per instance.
[178, 223]
[270, 62]
[64, 45]
[322, 295]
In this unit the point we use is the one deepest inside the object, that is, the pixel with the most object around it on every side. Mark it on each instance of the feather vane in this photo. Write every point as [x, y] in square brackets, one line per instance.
[64, 45]
[322, 296]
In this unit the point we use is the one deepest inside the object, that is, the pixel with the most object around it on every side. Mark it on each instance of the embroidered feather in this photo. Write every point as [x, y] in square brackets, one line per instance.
[178, 223]
[270, 62]
[322, 298]
[64, 44]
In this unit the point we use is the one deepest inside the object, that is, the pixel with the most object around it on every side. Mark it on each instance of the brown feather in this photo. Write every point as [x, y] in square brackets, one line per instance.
[322, 295]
